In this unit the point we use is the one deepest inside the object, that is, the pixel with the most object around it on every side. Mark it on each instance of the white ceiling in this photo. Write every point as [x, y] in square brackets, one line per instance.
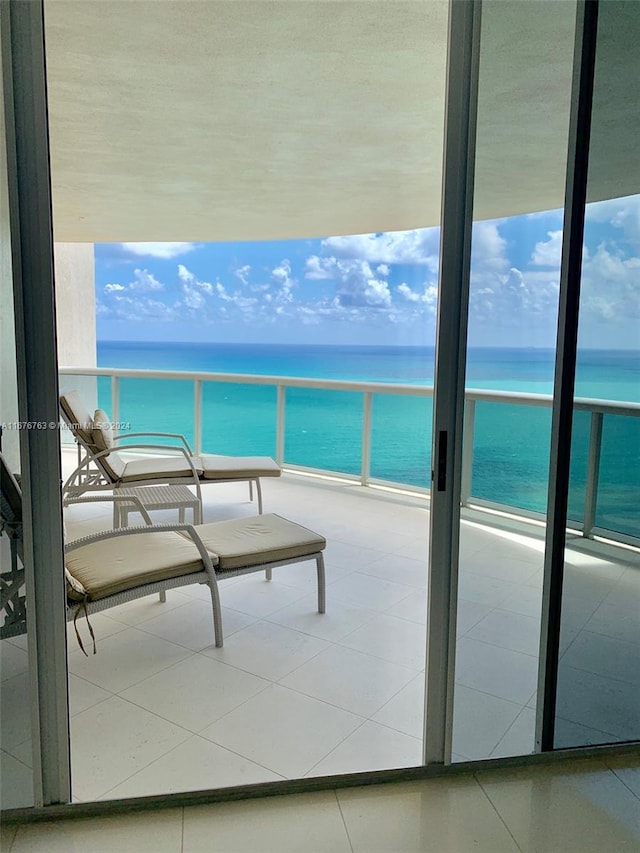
[223, 120]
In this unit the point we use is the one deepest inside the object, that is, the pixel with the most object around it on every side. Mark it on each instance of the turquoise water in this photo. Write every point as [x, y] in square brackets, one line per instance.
[324, 428]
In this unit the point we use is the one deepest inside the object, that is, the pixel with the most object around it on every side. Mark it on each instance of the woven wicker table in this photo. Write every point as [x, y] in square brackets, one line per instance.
[158, 497]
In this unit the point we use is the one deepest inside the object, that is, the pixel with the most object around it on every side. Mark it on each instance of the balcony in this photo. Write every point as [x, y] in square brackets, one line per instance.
[298, 694]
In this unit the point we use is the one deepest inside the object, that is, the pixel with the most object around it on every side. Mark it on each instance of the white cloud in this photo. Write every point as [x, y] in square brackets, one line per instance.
[145, 281]
[623, 213]
[188, 279]
[547, 253]
[243, 273]
[159, 250]
[113, 288]
[419, 246]
[428, 297]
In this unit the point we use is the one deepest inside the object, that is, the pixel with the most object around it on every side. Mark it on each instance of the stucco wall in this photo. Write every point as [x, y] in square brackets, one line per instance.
[75, 304]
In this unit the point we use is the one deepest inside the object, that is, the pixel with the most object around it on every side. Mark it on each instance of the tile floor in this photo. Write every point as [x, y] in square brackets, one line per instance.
[572, 807]
[294, 693]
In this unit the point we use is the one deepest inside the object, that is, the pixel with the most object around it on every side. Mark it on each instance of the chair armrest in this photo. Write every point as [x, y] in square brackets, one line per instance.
[177, 435]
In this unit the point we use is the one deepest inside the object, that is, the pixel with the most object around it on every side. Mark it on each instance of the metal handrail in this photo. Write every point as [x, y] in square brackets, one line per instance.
[597, 408]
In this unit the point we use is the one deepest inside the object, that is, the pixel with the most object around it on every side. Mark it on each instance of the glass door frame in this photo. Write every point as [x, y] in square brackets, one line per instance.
[30, 213]
[451, 347]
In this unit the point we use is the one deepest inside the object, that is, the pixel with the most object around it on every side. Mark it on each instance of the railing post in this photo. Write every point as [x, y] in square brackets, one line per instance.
[593, 473]
[115, 401]
[365, 461]
[197, 416]
[468, 431]
[280, 412]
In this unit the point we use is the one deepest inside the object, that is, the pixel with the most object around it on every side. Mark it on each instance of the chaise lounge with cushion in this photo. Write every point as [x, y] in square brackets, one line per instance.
[111, 567]
[101, 464]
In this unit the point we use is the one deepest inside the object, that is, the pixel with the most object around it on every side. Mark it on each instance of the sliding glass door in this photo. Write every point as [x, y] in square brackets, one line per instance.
[535, 570]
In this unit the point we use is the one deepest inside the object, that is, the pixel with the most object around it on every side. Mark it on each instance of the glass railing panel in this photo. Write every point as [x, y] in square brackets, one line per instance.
[238, 419]
[323, 429]
[578, 467]
[401, 439]
[156, 405]
[618, 487]
[511, 455]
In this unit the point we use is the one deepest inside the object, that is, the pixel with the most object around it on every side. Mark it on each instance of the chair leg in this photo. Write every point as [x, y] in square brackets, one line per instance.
[268, 574]
[322, 599]
[217, 614]
[259, 493]
[250, 490]
[162, 595]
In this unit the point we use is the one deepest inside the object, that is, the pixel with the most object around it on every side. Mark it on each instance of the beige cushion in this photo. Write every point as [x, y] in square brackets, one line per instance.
[77, 416]
[158, 468]
[261, 539]
[238, 467]
[124, 562]
[75, 590]
[102, 432]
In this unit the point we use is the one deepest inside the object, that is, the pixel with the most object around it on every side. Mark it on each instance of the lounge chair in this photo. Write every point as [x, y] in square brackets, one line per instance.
[102, 466]
[115, 566]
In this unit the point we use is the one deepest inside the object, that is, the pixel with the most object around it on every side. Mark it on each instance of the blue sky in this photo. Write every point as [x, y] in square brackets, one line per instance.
[374, 289]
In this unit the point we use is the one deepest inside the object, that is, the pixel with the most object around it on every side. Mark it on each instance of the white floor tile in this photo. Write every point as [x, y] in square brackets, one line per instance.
[350, 679]
[372, 593]
[524, 599]
[195, 692]
[392, 639]
[469, 614]
[283, 730]
[268, 650]
[371, 747]
[16, 783]
[399, 569]
[501, 563]
[405, 711]
[627, 769]
[568, 734]
[612, 620]
[413, 608]
[501, 672]
[13, 660]
[597, 702]
[191, 624]
[605, 656]
[338, 621]
[124, 659]
[480, 721]
[134, 613]
[556, 809]
[473, 586]
[303, 822]
[419, 816]
[113, 740]
[520, 738]
[83, 695]
[258, 597]
[15, 705]
[146, 832]
[7, 834]
[509, 630]
[195, 765]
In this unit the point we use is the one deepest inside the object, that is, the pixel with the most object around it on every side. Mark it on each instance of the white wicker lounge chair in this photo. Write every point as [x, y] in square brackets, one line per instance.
[115, 566]
[102, 466]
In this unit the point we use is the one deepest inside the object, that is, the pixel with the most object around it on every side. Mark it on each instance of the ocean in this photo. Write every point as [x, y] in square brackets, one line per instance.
[323, 428]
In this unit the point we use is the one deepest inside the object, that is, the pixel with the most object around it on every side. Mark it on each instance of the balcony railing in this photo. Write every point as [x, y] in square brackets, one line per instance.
[479, 477]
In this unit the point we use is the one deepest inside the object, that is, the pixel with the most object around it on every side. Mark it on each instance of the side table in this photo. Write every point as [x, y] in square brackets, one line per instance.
[158, 497]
